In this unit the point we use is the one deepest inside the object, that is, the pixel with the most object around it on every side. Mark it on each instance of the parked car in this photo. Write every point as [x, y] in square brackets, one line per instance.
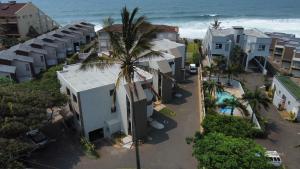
[274, 158]
[192, 68]
[38, 138]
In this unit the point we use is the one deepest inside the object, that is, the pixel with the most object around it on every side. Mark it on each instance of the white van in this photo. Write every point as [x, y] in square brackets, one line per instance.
[192, 68]
[274, 158]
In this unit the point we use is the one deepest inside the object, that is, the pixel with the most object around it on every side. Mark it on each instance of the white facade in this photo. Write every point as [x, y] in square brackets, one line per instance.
[93, 101]
[220, 42]
[284, 97]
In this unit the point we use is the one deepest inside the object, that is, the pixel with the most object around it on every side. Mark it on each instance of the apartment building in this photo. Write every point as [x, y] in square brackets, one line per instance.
[285, 53]
[254, 43]
[17, 18]
[91, 100]
[287, 94]
[44, 51]
[164, 32]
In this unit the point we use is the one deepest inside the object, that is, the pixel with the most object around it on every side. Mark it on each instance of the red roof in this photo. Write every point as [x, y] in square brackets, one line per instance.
[9, 9]
[161, 28]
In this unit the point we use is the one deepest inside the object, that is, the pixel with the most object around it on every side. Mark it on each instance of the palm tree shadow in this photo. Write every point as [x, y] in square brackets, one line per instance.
[180, 100]
[156, 136]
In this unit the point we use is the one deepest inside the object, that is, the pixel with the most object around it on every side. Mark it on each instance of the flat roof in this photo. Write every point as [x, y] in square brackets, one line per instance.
[165, 44]
[221, 32]
[92, 78]
[291, 84]
[7, 69]
[255, 32]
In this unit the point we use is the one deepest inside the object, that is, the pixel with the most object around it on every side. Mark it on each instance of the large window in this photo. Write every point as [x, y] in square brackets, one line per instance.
[238, 37]
[218, 45]
[261, 47]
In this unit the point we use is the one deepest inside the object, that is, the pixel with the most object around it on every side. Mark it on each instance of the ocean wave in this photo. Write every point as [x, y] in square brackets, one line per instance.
[197, 29]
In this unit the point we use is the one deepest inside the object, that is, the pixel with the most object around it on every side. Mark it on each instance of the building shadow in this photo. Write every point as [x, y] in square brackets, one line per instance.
[180, 100]
[63, 152]
[156, 136]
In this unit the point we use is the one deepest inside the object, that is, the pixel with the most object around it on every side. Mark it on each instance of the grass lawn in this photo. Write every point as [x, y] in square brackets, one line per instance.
[167, 112]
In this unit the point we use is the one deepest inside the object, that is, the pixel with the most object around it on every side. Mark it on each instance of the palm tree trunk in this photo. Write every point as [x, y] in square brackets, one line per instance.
[135, 140]
[232, 109]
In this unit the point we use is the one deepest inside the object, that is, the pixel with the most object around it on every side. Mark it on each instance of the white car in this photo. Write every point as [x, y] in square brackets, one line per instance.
[193, 68]
[274, 158]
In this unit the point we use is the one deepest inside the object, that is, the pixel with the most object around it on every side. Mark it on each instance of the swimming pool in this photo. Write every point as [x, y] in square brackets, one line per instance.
[221, 96]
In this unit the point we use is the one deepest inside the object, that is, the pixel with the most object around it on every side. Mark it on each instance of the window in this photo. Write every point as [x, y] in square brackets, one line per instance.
[111, 92]
[289, 102]
[68, 91]
[42, 58]
[218, 45]
[261, 47]
[27, 67]
[74, 98]
[113, 109]
[238, 38]
[279, 91]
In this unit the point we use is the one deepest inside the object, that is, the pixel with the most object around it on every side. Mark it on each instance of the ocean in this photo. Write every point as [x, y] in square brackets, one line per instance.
[192, 16]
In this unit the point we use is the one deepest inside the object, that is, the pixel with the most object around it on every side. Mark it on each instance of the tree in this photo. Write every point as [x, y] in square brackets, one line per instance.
[231, 70]
[235, 103]
[217, 151]
[212, 87]
[256, 100]
[128, 46]
[210, 104]
[228, 125]
[216, 24]
[211, 69]
[220, 63]
[237, 57]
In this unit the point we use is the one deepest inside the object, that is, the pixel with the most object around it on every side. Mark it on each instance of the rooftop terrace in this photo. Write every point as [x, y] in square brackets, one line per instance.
[291, 84]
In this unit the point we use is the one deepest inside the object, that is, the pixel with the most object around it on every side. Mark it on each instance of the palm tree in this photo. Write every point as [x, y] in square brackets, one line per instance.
[221, 65]
[231, 70]
[128, 46]
[211, 69]
[256, 99]
[216, 24]
[212, 87]
[210, 104]
[235, 103]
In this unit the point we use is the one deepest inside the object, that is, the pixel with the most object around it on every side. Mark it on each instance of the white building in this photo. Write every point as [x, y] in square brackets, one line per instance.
[287, 94]
[255, 44]
[91, 100]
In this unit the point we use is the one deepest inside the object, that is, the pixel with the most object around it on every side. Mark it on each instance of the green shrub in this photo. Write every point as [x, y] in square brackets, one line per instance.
[228, 125]
[89, 148]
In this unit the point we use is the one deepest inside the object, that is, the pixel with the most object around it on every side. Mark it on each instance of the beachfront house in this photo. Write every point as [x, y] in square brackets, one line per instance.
[287, 94]
[165, 32]
[18, 18]
[254, 43]
[15, 66]
[60, 46]
[90, 95]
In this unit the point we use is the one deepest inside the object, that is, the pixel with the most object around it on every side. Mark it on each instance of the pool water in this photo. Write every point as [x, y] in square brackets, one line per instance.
[221, 96]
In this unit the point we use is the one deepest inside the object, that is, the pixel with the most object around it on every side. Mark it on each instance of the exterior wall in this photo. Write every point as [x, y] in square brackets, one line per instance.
[51, 57]
[167, 89]
[96, 109]
[23, 70]
[30, 15]
[38, 63]
[291, 104]
[140, 109]
[104, 42]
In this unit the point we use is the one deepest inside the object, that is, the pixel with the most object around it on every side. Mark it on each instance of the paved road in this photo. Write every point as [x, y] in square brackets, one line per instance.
[283, 135]
[165, 149]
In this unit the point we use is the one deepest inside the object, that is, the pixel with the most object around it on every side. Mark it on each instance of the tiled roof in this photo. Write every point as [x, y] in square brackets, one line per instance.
[9, 9]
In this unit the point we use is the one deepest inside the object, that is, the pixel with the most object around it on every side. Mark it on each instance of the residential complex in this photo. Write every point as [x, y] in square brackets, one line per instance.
[287, 94]
[254, 43]
[91, 92]
[285, 53]
[24, 61]
[17, 18]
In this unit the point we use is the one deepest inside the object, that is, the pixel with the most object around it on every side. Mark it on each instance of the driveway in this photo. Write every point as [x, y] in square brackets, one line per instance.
[283, 136]
[165, 149]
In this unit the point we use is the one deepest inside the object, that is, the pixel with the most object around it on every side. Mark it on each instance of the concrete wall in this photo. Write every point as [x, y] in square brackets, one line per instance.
[39, 62]
[51, 57]
[173, 36]
[23, 69]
